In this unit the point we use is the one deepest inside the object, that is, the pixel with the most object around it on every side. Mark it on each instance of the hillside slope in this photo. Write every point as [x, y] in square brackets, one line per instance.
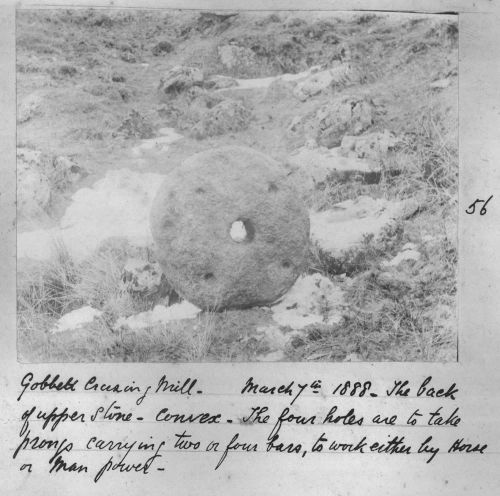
[93, 91]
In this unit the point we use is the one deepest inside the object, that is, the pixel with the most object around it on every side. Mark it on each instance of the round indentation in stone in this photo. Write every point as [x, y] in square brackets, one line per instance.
[226, 248]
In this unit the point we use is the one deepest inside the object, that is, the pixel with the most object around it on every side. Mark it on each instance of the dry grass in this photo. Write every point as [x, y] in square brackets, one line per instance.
[406, 313]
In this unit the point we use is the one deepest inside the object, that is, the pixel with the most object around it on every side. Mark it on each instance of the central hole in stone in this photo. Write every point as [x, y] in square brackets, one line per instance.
[241, 231]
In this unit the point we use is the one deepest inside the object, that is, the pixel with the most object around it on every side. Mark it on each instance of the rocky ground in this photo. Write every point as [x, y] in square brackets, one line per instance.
[361, 110]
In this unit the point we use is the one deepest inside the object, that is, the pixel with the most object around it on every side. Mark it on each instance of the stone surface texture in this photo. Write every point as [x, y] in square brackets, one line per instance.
[322, 80]
[235, 57]
[315, 165]
[76, 319]
[142, 276]
[180, 78]
[116, 206]
[370, 146]
[345, 225]
[313, 299]
[341, 117]
[66, 172]
[191, 221]
[160, 315]
[218, 82]
[227, 116]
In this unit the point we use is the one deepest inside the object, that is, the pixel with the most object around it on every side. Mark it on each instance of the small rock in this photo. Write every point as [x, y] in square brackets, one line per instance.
[66, 172]
[28, 108]
[316, 164]
[125, 47]
[265, 82]
[157, 145]
[160, 315]
[295, 125]
[214, 23]
[125, 94]
[135, 126]
[162, 47]
[273, 356]
[272, 18]
[128, 57]
[202, 100]
[443, 316]
[218, 82]
[345, 225]
[76, 319]
[274, 337]
[118, 78]
[316, 83]
[394, 280]
[68, 70]
[353, 357]
[227, 116]
[346, 116]
[142, 277]
[402, 256]
[238, 231]
[235, 58]
[170, 133]
[370, 146]
[313, 299]
[195, 92]
[180, 78]
[409, 246]
[311, 144]
[440, 84]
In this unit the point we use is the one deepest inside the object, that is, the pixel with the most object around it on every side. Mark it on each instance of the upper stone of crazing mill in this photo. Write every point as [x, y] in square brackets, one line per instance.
[230, 232]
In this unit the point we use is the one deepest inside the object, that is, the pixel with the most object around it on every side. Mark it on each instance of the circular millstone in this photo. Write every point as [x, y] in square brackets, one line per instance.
[229, 231]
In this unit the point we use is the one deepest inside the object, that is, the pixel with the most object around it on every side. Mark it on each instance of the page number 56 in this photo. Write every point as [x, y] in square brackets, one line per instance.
[471, 209]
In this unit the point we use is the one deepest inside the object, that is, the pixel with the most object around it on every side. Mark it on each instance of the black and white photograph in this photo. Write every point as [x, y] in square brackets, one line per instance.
[236, 186]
